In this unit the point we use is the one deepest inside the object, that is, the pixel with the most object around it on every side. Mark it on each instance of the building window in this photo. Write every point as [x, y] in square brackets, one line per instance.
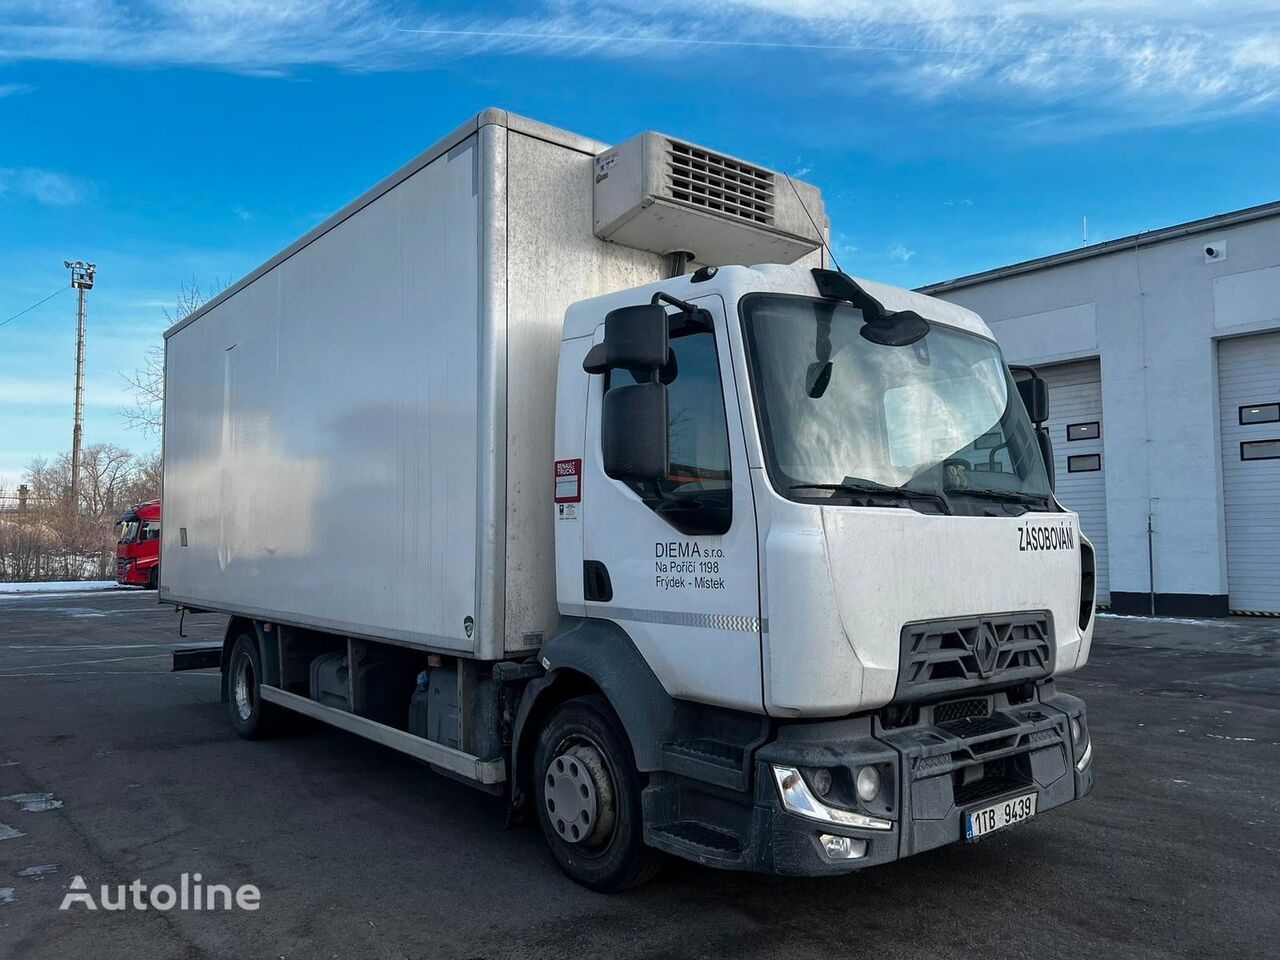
[1084, 463]
[1084, 431]
[1260, 413]
[1260, 450]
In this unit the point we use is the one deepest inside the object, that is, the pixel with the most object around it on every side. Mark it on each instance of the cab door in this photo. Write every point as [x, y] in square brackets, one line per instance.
[674, 562]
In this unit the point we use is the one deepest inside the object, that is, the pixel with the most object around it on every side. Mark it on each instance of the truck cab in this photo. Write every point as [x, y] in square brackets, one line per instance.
[138, 545]
[818, 509]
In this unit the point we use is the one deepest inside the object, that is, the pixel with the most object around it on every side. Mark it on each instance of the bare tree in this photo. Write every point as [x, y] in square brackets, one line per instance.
[46, 541]
[144, 479]
[105, 472]
[146, 413]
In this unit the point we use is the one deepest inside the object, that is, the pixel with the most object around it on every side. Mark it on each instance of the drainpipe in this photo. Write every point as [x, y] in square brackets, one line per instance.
[1151, 553]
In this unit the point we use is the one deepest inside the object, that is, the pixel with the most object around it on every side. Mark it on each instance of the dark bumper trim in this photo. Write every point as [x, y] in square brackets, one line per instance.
[929, 762]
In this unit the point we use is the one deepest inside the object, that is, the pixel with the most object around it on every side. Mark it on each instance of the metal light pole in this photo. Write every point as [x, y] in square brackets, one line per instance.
[81, 280]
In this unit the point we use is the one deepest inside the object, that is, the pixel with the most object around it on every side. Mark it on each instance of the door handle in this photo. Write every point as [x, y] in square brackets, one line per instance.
[596, 585]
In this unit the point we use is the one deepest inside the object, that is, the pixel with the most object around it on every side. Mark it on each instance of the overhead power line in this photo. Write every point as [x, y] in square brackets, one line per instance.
[34, 305]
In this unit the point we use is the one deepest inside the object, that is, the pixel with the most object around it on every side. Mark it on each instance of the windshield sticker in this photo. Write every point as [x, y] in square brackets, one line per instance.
[687, 564]
[1037, 536]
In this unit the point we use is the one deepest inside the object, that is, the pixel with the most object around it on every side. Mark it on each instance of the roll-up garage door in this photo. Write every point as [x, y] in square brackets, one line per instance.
[1249, 408]
[1075, 424]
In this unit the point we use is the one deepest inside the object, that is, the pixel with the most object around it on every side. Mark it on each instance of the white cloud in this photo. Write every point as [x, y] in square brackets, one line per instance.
[14, 89]
[252, 36]
[900, 253]
[843, 248]
[1149, 61]
[242, 212]
[43, 186]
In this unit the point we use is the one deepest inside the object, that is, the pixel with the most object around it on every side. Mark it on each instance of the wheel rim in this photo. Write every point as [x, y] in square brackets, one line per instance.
[578, 795]
[243, 689]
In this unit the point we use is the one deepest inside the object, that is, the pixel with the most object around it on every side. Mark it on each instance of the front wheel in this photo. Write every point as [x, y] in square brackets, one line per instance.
[250, 717]
[588, 797]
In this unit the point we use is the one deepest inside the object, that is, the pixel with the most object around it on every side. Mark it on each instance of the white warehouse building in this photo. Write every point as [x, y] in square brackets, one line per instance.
[1162, 353]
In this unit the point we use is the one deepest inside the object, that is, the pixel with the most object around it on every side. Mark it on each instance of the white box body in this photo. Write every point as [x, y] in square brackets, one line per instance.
[358, 435]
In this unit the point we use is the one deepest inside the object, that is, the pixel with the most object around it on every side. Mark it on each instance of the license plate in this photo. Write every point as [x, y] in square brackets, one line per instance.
[980, 822]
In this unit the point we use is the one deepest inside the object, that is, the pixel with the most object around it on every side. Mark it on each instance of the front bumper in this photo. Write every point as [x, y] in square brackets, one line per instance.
[946, 763]
[129, 573]
[939, 769]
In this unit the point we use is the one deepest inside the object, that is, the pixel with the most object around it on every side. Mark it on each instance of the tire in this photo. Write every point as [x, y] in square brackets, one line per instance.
[583, 751]
[250, 717]
[153, 578]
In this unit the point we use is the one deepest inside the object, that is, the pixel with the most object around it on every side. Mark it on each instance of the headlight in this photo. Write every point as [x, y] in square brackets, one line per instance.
[799, 799]
[868, 784]
[1087, 758]
[1075, 730]
[842, 848]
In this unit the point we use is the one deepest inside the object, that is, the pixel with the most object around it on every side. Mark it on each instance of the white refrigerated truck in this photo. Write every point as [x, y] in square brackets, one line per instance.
[515, 465]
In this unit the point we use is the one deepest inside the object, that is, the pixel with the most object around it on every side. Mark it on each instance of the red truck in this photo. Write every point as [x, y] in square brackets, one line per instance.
[138, 550]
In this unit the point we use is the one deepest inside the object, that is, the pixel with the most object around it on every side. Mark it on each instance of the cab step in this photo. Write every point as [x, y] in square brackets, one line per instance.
[697, 841]
[711, 761]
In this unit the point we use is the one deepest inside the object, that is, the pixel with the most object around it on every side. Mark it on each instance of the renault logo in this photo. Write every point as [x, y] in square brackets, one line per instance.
[986, 651]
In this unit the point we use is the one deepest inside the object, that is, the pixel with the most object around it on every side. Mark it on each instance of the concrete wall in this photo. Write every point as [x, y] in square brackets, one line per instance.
[1152, 314]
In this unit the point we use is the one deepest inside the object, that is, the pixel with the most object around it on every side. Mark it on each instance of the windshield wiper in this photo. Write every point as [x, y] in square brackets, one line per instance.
[1006, 496]
[854, 485]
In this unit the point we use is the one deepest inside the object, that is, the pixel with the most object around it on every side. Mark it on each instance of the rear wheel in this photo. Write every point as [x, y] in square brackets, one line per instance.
[250, 717]
[588, 797]
[153, 578]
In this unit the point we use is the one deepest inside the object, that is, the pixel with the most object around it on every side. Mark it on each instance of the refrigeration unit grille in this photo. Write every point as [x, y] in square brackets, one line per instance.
[719, 183]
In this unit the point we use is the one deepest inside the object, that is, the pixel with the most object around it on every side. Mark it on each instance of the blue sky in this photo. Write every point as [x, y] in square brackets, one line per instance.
[172, 140]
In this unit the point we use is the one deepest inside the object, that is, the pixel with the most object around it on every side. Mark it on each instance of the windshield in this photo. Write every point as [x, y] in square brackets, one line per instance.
[837, 410]
[129, 531]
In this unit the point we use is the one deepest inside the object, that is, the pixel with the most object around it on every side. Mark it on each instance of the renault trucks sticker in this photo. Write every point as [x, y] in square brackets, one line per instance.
[568, 481]
[681, 564]
[1035, 537]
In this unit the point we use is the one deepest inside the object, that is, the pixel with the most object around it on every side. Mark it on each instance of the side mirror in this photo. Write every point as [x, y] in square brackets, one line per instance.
[635, 338]
[633, 431]
[1034, 392]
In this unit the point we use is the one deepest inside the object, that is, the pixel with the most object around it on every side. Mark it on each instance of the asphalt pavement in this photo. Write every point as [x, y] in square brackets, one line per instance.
[123, 772]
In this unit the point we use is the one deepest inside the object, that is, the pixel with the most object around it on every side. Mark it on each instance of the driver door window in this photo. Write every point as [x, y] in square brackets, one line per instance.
[698, 474]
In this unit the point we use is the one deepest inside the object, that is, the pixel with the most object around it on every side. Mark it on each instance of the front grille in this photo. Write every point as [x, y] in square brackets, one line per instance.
[945, 656]
[944, 713]
[988, 787]
[976, 726]
[720, 183]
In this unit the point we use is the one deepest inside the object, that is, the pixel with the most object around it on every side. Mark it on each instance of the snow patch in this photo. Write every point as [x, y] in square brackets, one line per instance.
[39, 871]
[1186, 620]
[60, 586]
[34, 802]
